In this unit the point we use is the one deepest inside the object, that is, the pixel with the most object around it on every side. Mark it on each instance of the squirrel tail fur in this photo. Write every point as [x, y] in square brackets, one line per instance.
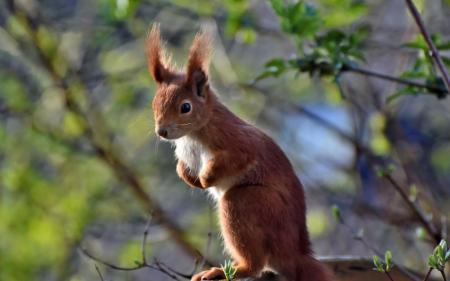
[308, 268]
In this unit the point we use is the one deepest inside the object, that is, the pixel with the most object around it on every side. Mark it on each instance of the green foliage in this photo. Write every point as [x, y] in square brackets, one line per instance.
[440, 256]
[322, 53]
[423, 68]
[13, 93]
[229, 270]
[383, 266]
[298, 18]
[240, 21]
[340, 13]
[328, 55]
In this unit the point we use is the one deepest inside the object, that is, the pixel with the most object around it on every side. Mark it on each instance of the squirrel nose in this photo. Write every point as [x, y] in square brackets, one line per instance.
[162, 132]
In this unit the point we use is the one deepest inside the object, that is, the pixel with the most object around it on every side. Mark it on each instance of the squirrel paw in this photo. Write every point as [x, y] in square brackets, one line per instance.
[214, 273]
[206, 180]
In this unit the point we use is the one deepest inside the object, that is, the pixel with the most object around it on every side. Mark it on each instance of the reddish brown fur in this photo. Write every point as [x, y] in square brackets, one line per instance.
[262, 206]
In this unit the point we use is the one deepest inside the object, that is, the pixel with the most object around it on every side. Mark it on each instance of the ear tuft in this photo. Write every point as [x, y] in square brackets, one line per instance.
[157, 64]
[198, 62]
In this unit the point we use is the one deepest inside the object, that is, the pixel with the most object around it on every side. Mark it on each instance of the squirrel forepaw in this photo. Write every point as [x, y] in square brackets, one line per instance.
[206, 180]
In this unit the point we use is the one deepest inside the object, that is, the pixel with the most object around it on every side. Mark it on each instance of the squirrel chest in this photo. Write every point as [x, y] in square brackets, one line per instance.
[196, 155]
[193, 153]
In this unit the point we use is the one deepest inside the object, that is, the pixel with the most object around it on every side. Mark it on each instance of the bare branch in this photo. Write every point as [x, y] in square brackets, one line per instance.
[143, 263]
[99, 273]
[429, 227]
[111, 265]
[438, 91]
[144, 240]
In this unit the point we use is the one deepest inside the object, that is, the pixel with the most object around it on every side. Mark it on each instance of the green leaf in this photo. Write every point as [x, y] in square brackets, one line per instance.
[432, 262]
[439, 256]
[229, 270]
[273, 68]
[388, 260]
[418, 43]
[336, 213]
[378, 264]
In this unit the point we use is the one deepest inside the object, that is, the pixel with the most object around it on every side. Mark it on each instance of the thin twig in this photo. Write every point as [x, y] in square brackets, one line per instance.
[389, 275]
[438, 91]
[434, 51]
[144, 240]
[443, 275]
[429, 227]
[139, 265]
[111, 265]
[428, 274]
[164, 266]
[157, 265]
[99, 273]
[361, 239]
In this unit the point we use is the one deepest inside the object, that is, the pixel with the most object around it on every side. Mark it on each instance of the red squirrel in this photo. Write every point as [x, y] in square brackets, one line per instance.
[261, 202]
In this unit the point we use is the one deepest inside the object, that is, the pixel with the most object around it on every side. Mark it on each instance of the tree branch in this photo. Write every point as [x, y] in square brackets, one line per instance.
[433, 50]
[159, 266]
[438, 91]
[429, 227]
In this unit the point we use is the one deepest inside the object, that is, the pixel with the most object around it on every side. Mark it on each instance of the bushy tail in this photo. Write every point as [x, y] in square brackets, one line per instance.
[309, 269]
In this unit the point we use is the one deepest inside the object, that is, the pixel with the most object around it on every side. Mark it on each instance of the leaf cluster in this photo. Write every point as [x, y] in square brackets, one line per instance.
[229, 270]
[440, 256]
[383, 266]
[322, 53]
[423, 68]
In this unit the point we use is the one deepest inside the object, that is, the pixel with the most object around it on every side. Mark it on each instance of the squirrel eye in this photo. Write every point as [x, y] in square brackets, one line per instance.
[185, 107]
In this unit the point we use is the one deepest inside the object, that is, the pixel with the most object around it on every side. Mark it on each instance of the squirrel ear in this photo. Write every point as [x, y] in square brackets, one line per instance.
[157, 65]
[198, 62]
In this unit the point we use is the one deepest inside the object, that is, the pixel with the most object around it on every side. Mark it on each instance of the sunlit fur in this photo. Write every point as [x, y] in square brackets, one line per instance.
[260, 200]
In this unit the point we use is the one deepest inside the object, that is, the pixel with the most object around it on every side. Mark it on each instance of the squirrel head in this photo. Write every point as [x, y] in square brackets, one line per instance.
[182, 101]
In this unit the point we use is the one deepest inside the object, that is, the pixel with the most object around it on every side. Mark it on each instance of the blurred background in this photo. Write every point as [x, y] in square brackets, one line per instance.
[81, 167]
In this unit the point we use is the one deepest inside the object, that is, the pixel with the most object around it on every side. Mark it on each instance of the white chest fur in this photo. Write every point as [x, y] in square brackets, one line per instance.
[193, 153]
[196, 155]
